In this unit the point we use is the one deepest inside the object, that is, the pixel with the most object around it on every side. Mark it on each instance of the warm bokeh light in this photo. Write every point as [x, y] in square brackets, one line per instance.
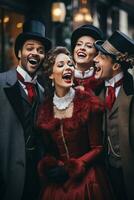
[6, 19]
[58, 12]
[19, 25]
[83, 15]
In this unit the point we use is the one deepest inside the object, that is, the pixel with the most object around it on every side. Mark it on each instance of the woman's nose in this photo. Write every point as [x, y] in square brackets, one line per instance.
[68, 67]
[82, 46]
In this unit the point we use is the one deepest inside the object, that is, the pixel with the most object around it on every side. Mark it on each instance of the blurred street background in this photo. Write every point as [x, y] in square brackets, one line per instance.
[61, 18]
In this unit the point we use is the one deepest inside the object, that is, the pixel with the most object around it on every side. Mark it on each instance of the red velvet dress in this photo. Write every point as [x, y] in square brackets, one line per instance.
[78, 140]
[89, 83]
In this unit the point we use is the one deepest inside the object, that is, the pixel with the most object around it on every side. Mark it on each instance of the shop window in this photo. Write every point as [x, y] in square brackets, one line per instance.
[10, 27]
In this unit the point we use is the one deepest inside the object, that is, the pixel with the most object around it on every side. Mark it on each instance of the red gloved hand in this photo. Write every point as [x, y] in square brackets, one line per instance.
[75, 167]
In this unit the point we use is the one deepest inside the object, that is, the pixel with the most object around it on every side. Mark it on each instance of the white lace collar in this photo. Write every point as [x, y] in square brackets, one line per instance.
[87, 73]
[62, 103]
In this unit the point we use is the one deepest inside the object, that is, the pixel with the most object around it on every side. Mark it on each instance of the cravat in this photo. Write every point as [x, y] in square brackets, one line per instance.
[110, 98]
[30, 88]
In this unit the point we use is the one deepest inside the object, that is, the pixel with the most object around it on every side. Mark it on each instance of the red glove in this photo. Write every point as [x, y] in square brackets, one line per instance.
[47, 163]
[75, 167]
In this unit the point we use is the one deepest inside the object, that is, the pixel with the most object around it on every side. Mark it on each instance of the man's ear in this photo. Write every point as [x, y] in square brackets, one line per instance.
[19, 54]
[116, 66]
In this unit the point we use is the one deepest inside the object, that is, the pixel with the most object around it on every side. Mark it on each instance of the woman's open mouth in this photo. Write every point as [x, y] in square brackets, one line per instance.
[67, 77]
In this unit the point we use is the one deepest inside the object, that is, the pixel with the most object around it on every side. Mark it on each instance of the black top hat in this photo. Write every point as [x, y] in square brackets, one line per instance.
[32, 29]
[118, 46]
[88, 30]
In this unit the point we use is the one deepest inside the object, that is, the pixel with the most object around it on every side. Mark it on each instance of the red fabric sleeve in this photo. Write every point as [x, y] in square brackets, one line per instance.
[95, 140]
[76, 167]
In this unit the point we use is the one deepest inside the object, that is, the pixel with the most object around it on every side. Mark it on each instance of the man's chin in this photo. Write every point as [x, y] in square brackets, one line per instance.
[33, 70]
[31, 73]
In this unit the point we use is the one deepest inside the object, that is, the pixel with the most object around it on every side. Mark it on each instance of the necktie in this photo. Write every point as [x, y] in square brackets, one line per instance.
[30, 88]
[110, 98]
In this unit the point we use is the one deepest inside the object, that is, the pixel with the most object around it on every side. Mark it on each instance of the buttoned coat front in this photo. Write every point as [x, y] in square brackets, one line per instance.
[12, 142]
[124, 107]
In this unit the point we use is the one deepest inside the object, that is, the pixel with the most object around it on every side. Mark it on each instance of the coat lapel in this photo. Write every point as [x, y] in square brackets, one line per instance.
[23, 94]
[14, 95]
[115, 107]
[40, 92]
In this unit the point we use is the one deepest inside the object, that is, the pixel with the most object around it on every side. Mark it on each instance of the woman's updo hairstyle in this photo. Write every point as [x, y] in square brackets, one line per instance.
[51, 57]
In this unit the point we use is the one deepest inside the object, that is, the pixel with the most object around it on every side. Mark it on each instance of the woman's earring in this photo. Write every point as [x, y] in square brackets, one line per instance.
[52, 84]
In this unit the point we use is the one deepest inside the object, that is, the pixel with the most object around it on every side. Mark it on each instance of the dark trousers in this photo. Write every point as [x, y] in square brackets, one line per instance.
[32, 185]
[117, 182]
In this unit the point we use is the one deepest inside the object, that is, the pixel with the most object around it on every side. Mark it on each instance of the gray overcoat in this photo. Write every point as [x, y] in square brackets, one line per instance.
[12, 143]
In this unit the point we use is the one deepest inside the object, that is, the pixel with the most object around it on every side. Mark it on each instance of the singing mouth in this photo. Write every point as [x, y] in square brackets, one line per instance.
[81, 54]
[67, 76]
[98, 72]
[33, 60]
[97, 69]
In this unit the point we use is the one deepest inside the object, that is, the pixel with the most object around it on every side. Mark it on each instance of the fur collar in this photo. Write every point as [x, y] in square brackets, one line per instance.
[84, 104]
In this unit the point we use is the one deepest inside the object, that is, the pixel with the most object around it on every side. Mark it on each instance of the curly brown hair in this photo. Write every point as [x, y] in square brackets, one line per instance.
[51, 57]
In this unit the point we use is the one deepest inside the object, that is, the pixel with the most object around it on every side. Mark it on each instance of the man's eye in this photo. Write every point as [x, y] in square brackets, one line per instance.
[102, 56]
[29, 48]
[41, 51]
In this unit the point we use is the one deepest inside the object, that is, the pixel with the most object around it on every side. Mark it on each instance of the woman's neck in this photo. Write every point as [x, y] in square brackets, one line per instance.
[83, 67]
[61, 92]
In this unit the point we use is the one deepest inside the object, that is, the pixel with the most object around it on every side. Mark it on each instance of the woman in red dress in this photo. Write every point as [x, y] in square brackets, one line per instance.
[71, 125]
[83, 51]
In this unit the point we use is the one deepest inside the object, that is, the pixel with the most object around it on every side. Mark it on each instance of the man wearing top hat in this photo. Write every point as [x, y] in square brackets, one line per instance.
[20, 94]
[115, 57]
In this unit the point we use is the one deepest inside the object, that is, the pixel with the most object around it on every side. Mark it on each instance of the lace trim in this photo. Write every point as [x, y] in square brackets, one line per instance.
[62, 103]
[87, 74]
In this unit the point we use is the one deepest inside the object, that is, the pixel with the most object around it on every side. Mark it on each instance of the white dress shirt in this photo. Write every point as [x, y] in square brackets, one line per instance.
[112, 82]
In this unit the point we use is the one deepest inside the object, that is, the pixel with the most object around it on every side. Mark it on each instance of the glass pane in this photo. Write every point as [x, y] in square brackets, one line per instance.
[11, 24]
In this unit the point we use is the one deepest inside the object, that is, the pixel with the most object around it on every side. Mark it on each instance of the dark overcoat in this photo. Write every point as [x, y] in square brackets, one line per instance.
[12, 141]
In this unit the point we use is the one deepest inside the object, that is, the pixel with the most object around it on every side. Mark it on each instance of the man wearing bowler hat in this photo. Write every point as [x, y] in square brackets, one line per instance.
[115, 57]
[20, 94]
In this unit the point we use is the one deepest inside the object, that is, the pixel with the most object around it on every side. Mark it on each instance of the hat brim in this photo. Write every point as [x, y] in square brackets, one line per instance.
[27, 36]
[82, 32]
[98, 46]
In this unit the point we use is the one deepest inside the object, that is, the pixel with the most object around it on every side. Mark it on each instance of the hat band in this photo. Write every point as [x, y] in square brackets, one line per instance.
[119, 56]
[110, 48]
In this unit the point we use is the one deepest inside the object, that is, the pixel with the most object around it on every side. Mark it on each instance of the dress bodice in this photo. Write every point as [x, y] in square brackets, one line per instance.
[71, 135]
[78, 142]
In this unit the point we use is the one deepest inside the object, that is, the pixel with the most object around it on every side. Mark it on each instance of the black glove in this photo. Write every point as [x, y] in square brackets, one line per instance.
[57, 174]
